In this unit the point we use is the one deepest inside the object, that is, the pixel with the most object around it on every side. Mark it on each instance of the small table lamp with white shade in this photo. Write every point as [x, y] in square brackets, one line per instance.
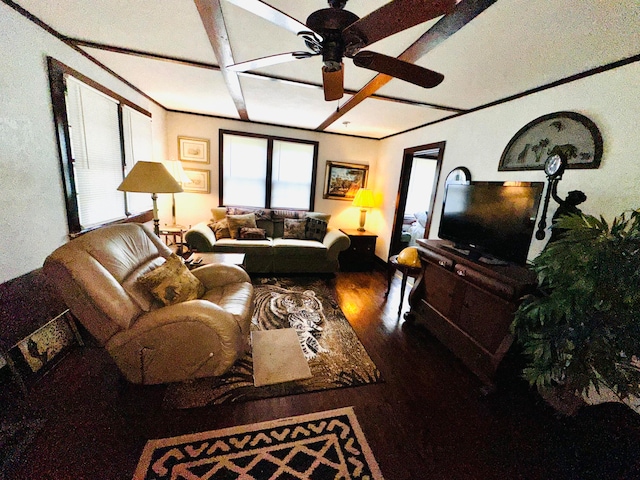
[364, 200]
[153, 178]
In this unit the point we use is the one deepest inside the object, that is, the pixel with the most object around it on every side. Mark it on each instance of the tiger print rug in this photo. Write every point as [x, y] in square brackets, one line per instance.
[335, 355]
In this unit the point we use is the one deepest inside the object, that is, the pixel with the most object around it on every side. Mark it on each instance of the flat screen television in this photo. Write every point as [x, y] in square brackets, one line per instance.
[491, 220]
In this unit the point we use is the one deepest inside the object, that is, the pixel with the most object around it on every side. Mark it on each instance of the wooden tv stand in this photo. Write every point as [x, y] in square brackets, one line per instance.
[468, 305]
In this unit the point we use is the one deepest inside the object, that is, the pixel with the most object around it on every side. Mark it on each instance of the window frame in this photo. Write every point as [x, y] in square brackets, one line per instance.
[268, 180]
[57, 71]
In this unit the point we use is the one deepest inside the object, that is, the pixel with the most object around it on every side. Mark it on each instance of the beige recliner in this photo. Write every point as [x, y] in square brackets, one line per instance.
[98, 276]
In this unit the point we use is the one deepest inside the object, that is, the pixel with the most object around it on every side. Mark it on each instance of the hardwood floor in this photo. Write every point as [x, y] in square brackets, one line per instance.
[427, 420]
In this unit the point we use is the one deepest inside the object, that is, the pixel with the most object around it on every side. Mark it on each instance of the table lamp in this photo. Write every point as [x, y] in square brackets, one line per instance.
[177, 172]
[153, 178]
[364, 200]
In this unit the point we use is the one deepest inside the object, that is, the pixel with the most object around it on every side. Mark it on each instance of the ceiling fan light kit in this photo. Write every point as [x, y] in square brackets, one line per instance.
[336, 33]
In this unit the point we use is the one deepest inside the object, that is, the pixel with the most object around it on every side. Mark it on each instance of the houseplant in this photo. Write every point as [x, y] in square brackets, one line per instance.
[581, 330]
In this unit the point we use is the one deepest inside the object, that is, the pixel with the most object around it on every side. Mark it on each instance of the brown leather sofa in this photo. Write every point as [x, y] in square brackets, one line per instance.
[98, 276]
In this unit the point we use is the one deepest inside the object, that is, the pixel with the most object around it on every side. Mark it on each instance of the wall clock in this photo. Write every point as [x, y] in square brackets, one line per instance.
[553, 168]
[569, 133]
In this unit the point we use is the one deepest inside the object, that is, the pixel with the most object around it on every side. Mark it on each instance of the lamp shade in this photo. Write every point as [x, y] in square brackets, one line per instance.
[149, 177]
[363, 198]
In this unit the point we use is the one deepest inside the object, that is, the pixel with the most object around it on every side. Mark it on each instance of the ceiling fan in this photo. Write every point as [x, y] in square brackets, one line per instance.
[335, 33]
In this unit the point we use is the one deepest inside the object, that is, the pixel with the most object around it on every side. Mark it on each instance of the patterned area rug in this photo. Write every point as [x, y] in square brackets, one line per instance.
[317, 446]
[335, 355]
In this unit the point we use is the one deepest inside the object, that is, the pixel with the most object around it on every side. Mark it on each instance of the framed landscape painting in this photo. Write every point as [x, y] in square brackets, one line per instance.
[343, 180]
[193, 149]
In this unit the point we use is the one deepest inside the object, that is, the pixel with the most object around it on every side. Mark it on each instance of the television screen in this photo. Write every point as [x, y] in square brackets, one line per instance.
[492, 218]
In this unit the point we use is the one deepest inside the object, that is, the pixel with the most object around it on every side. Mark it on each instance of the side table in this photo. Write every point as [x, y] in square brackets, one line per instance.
[361, 254]
[406, 271]
[176, 233]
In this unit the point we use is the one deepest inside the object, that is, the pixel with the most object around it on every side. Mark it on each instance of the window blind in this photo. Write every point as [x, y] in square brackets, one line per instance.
[267, 172]
[292, 173]
[136, 129]
[97, 159]
[244, 170]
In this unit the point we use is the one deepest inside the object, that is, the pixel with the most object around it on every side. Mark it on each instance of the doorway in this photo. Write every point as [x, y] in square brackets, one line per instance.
[416, 195]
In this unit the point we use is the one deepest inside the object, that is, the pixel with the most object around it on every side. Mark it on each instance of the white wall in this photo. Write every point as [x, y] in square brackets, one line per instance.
[33, 220]
[192, 208]
[611, 99]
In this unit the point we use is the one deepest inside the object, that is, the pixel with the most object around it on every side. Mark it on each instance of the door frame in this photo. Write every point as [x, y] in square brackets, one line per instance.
[403, 189]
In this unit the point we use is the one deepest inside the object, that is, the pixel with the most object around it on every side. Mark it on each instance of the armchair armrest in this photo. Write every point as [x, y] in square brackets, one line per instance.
[200, 238]
[178, 341]
[336, 242]
[216, 275]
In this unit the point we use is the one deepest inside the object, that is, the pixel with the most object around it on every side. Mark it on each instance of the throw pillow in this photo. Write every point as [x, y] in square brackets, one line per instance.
[295, 228]
[320, 216]
[236, 222]
[218, 213]
[278, 214]
[316, 229]
[260, 213]
[172, 282]
[248, 233]
[220, 229]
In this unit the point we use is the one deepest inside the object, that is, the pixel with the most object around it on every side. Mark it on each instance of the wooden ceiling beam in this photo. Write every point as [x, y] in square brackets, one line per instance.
[213, 20]
[464, 12]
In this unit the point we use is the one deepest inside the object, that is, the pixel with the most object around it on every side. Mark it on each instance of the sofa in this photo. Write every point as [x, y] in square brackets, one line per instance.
[274, 241]
[159, 321]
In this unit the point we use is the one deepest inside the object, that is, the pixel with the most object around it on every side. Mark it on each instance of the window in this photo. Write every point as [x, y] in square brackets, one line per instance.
[101, 136]
[268, 172]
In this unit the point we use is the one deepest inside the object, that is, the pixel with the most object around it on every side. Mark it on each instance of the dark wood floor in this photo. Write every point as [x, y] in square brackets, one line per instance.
[428, 420]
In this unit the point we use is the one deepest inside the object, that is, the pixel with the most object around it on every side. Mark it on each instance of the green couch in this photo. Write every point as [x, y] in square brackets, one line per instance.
[274, 254]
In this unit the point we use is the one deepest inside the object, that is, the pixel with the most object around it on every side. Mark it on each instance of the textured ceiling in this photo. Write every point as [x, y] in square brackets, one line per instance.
[512, 47]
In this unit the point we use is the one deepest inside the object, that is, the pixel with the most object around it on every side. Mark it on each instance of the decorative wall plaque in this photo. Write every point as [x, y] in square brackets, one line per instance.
[562, 132]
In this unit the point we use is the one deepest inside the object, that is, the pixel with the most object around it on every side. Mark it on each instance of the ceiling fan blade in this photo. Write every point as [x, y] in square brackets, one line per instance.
[399, 69]
[333, 83]
[274, 16]
[268, 61]
[391, 18]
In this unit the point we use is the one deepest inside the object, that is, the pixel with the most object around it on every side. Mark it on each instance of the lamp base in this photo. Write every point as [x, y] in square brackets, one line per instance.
[363, 218]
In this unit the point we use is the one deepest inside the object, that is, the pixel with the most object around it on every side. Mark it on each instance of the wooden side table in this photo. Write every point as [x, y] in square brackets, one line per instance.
[176, 233]
[406, 271]
[361, 254]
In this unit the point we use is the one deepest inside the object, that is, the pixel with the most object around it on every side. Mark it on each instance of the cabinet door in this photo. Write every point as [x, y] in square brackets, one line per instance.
[441, 289]
[485, 317]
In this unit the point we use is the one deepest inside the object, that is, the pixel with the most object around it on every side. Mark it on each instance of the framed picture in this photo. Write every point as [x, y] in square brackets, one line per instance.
[200, 181]
[567, 132]
[193, 149]
[37, 353]
[342, 180]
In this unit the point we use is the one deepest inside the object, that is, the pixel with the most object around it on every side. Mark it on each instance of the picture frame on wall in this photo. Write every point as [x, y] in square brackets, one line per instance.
[193, 149]
[343, 180]
[200, 181]
[568, 133]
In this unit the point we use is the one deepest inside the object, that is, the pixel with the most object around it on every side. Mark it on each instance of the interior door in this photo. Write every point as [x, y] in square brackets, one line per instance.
[416, 178]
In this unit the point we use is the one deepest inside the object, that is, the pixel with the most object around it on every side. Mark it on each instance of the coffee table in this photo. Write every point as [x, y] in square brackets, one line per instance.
[210, 258]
